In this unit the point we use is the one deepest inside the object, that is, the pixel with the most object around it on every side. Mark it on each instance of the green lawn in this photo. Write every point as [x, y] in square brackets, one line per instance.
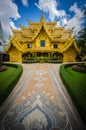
[75, 83]
[8, 80]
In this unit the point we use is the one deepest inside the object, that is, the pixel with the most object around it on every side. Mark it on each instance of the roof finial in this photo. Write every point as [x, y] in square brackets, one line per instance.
[42, 18]
[28, 21]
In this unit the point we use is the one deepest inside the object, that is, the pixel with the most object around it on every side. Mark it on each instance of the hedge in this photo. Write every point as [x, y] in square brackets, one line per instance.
[30, 61]
[8, 80]
[75, 83]
[54, 61]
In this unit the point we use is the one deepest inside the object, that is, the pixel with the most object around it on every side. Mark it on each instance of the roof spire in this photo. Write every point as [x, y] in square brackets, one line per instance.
[29, 22]
[42, 18]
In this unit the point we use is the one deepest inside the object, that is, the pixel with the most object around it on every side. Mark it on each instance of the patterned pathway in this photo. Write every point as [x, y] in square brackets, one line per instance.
[36, 103]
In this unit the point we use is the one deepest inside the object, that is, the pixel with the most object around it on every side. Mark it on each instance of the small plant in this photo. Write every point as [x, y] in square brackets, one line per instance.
[3, 67]
[79, 68]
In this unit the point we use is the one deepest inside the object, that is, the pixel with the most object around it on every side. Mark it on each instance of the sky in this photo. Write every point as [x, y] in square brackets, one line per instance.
[66, 12]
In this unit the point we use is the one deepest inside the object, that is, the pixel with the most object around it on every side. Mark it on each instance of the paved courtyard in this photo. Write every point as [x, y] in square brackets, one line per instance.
[39, 102]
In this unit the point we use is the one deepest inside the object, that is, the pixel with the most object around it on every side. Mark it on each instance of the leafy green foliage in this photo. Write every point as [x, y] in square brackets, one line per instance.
[81, 41]
[81, 38]
[79, 68]
[8, 80]
[75, 83]
[42, 60]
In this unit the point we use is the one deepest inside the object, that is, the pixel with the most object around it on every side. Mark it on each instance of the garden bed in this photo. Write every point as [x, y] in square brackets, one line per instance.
[54, 61]
[3, 67]
[42, 60]
[79, 68]
[30, 61]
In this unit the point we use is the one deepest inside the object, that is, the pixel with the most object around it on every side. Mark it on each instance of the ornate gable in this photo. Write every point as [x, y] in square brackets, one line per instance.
[42, 37]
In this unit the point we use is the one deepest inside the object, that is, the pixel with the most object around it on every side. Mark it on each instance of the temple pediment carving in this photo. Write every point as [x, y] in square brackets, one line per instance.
[44, 37]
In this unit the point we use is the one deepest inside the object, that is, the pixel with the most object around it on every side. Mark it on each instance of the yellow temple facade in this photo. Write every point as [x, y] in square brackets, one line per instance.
[42, 40]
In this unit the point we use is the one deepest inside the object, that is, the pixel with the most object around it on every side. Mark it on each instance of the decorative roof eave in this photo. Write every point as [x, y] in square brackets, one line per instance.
[23, 27]
[59, 28]
[32, 23]
[16, 30]
[59, 40]
[51, 23]
[26, 40]
[27, 36]
[70, 31]
[67, 45]
[15, 43]
[42, 25]
[71, 42]
[8, 47]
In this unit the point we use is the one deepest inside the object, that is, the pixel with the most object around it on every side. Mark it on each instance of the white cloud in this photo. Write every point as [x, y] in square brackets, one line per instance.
[50, 6]
[77, 20]
[12, 25]
[8, 10]
[25, 2]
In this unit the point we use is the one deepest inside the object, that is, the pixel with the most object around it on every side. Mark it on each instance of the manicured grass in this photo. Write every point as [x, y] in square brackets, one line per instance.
[8, 80]
[75, 83]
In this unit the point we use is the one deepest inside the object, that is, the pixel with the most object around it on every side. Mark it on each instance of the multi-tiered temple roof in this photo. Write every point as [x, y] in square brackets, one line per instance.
[37, 31]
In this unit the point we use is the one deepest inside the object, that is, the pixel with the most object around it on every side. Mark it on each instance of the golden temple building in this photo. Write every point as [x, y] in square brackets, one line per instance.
[42, 40]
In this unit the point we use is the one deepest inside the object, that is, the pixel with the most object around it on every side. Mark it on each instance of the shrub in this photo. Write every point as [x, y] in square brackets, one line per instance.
[3, 67]
[75, 83]
[30, 61]
[9, 80]
[54, 61]
[79, 68]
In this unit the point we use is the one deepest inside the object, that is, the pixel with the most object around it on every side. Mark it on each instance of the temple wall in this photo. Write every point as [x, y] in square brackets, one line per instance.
[15, 55]
[69, 55]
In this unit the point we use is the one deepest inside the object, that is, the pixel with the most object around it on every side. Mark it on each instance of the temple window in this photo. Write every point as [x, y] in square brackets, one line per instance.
[42, 43]
[29, 45]
[55, 46]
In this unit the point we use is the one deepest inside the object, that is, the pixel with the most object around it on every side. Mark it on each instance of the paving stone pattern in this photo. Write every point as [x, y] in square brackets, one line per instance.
[37, 107]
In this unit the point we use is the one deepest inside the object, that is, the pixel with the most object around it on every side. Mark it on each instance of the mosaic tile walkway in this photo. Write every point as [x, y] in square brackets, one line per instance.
[37, 105]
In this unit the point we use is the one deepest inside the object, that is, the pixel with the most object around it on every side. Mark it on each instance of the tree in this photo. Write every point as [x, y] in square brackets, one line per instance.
[81, 41]
[81, 38]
